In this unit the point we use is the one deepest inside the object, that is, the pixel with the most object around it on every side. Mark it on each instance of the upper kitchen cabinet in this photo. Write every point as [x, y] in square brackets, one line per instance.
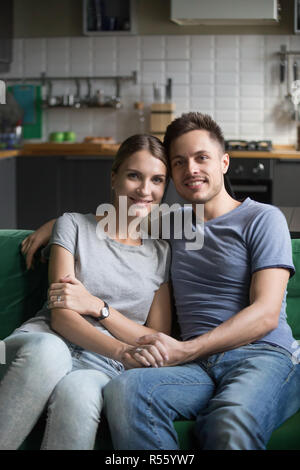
[109, 17]
[6, 33]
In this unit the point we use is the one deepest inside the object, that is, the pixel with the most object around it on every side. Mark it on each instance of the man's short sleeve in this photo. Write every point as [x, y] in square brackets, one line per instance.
[65, 232]
[269, 241]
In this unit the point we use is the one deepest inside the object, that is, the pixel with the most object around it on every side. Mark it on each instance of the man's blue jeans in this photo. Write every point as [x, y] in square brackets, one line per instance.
[237, 398]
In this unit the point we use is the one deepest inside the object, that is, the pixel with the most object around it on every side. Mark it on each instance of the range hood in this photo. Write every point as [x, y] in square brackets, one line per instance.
[209, 12]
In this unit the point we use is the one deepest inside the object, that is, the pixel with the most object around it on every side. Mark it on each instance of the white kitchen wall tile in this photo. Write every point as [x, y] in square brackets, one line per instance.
[251, 90]
[252, 66]
[81, 57]
[226, 103]
[203, 105]
[178, 78]
[251, 78]
[58, 54]
[202, 65]
[177, 47]
[58, 120]
[152, 47]
[273, 43]
[202, 78]
[34, 57]
[294, 43]
[17, 65]
[226, 79]
[227, 91]
[251, 115]
[226, 47]
[227, 66]
[180, 91]
[278, 133]
[251, 130]
[153, 66]
[230, 129]
[182, 105]
[149, 78]
[128, 55]
[201, 90]
[104, 122]
[104, 53]
[251, 42]
[202, 47]
[251, 103]
[177, 66]
[81, 121]
[226, 115]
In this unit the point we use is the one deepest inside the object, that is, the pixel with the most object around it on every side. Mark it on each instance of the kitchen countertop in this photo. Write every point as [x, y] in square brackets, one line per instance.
[81, 149]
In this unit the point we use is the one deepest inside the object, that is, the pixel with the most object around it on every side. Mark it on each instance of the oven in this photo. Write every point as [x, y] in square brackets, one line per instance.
[251, 177]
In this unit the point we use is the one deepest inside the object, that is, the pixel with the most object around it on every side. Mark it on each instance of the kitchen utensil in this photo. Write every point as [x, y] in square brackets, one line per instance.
[169, 90]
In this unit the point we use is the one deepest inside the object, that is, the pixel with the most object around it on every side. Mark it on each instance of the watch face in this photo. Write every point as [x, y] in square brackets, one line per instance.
[104, 312]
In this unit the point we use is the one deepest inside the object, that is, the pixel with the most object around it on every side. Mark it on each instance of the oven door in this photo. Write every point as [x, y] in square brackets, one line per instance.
[251, 177]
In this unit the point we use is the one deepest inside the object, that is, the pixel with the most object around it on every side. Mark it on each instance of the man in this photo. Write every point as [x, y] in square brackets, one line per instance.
[233, 371]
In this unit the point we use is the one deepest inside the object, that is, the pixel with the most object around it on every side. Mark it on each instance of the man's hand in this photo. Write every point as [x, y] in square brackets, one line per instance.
[72, 295]
[173, 351]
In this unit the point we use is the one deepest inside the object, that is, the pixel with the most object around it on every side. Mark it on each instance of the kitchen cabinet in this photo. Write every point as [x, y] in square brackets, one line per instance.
[8, 214]
[38, 190]
[286, 186]
[109, 17]
[49, 186]
[85, 183]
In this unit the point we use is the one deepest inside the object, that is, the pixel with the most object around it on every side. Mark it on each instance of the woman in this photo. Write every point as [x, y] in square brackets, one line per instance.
[104, 293]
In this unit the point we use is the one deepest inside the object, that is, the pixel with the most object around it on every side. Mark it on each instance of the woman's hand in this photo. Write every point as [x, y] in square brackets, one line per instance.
[71, 294]
[146, 356]
[34, 241]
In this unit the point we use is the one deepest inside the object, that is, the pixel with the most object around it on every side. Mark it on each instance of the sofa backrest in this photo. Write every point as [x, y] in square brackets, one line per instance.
[293, 293]
[22, 291]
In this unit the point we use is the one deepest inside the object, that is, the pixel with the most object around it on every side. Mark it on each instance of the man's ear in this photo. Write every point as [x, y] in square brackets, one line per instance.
[225, 163]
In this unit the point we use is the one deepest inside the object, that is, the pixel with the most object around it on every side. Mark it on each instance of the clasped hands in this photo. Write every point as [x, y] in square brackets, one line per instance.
[152, 350]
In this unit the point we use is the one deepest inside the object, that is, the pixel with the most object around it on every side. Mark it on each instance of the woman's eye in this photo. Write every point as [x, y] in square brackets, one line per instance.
[158, 180]
[132, 175]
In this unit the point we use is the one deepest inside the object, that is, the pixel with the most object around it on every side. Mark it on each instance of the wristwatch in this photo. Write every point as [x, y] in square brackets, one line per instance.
[104, 312]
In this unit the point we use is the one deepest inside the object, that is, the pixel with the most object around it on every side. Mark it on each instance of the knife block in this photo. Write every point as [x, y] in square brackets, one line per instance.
[162, 114]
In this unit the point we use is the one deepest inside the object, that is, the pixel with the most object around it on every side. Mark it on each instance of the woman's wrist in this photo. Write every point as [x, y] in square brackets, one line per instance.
[96, 306]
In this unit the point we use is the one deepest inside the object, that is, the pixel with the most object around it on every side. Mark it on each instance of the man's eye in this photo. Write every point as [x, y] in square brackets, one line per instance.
[177, 163]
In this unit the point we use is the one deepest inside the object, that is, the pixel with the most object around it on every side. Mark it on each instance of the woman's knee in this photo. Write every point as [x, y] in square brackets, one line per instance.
[42, 350]
[80, 391]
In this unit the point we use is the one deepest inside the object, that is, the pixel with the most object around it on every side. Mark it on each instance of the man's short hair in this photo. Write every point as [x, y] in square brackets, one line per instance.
[193, 122]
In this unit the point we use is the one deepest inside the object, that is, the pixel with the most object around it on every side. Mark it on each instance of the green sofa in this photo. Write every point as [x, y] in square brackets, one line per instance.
[22, 293]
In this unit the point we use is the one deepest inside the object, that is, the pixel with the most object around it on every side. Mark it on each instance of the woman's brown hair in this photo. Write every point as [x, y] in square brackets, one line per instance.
[140, 142]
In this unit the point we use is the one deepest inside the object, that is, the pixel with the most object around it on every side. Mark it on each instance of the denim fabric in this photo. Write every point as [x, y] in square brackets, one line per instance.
[43, 370]
[237, 398]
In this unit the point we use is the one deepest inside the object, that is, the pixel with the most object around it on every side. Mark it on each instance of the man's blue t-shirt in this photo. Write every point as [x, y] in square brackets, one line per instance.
[212, 284]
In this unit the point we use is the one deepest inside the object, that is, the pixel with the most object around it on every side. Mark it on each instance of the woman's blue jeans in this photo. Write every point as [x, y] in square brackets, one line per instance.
[45, 371]
[237, 399]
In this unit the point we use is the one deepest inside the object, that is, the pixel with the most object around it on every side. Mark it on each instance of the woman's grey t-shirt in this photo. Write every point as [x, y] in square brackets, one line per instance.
[126, 277]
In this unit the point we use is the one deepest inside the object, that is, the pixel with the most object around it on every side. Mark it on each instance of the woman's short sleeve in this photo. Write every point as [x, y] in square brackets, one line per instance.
[65, 232]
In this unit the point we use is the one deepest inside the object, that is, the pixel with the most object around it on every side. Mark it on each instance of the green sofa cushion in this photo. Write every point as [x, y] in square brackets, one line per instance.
[293, 298]
[22, 291]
